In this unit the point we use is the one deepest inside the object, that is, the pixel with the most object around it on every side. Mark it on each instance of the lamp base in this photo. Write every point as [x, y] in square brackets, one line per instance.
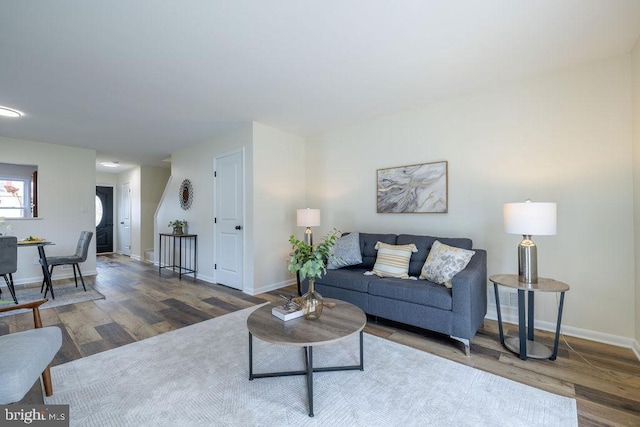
[308, 236]
[527, 261]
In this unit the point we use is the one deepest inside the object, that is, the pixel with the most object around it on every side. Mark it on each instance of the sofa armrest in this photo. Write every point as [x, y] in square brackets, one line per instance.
[469, 289]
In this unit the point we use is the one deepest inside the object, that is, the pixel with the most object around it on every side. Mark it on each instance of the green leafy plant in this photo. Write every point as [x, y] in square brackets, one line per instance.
[310, 261]
[177, 223]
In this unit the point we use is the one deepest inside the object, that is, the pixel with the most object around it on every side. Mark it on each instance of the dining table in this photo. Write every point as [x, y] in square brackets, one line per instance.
[46, 274]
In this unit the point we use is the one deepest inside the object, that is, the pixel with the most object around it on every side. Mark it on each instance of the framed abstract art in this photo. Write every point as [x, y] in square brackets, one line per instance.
[418, 188]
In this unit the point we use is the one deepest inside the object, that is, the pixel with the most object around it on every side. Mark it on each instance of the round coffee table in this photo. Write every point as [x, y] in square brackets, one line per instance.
[335, 324]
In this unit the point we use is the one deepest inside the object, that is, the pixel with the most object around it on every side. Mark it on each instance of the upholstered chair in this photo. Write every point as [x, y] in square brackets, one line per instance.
[26, 355]
[9, 261]
[82, 250]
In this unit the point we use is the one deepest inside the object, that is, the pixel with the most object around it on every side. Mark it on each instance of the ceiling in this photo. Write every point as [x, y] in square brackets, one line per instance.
[137, 80]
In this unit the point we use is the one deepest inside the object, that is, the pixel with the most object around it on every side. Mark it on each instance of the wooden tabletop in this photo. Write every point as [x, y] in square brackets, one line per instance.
[543, 285]
[335, 324]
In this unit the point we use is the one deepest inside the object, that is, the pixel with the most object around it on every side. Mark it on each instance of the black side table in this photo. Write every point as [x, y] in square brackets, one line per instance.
[524, 345]
[182, 242]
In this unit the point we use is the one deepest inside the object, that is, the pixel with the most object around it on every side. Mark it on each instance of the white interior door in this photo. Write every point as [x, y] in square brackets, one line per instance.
[125, 219]
[229, 220]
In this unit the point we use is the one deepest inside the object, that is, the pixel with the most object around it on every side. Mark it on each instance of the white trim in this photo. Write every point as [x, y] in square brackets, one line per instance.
[636, 348]
[20, 283]
[272, 287]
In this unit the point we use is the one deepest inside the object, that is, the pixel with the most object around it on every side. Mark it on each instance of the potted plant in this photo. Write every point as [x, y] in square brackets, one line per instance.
[310, 262]
[178, 226]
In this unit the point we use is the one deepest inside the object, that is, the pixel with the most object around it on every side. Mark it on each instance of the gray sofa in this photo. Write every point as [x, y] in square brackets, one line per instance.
[457, 312]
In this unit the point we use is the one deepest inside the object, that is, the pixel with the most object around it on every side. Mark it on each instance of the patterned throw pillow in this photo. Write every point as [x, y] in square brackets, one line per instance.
[345, 252]
[444, 262]
[393, 260]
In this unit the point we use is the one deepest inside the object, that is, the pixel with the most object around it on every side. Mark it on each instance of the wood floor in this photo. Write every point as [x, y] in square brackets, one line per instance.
[605, 380]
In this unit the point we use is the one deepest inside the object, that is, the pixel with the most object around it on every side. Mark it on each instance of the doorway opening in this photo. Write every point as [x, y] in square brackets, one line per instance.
[104, 219]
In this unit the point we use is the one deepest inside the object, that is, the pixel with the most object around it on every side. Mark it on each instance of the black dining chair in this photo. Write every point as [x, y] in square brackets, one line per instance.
[9, 262]
[80, 256]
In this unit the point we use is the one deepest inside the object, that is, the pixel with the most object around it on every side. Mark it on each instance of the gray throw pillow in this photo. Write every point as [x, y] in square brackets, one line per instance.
[345, 252]
[444, 262]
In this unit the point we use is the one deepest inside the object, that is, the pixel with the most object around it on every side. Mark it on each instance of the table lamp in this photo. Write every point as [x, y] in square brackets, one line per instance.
[308, 218]
[528, 219]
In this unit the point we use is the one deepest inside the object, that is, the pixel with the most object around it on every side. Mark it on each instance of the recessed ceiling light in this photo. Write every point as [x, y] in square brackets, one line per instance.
[111, 164]
[9, 112]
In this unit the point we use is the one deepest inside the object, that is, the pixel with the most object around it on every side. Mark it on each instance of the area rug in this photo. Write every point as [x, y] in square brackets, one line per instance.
[198, 375]
[66, 293]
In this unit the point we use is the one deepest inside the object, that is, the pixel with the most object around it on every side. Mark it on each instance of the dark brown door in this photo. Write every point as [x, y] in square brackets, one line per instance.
[104, 219]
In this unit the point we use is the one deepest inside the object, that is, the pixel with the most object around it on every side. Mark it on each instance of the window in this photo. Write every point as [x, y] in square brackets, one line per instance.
[12, 199]
[99, 211]
[18, 191]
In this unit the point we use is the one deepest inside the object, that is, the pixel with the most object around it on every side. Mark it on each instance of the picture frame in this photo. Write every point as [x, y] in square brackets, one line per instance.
[185, 194]
[419, 188]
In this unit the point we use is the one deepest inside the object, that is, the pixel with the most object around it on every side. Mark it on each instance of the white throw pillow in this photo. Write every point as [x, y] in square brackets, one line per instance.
[444, 262]
[345, 252]
[393, 260]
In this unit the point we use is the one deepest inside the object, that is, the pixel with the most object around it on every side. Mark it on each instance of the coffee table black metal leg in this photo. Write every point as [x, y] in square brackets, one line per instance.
[310, 380]
[250, 357]
[362, 350]
[308, 368]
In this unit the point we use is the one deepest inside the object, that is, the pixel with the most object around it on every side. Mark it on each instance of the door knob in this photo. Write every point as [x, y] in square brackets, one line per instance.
[238, 227]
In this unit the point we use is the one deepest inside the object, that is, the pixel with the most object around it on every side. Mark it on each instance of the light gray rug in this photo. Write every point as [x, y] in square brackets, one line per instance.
[65, 291]
[198, 375]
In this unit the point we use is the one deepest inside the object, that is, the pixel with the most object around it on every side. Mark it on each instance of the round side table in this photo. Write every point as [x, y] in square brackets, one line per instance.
[525, 345]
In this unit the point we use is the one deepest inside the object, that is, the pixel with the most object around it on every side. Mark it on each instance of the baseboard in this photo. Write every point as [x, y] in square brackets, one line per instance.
[21, 283]
[205, 278]
[510, 315]
[271, 287]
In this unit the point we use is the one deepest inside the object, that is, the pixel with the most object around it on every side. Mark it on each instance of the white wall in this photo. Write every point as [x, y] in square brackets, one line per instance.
[636, 167]
[563, 137]
[274, 189]
[279, 189]
[66, 202]
[153, 181]
[196, 164]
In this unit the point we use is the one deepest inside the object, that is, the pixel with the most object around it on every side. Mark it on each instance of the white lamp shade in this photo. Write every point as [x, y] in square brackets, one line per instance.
[308, 217]
[529, 218]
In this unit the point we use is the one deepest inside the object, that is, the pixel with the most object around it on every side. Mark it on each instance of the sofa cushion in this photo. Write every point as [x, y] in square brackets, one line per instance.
[24, 355]
[393, 260]
[368, 247]
[345, 252]
[444, 262]
[420, 292]
[350, 278]
[424, 243]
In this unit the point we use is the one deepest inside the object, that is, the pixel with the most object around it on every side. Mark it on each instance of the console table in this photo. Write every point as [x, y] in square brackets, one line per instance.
[524, 345]
[187, 253]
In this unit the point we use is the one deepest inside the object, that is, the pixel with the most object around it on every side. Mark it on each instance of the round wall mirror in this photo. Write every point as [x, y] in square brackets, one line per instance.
[186, 194]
